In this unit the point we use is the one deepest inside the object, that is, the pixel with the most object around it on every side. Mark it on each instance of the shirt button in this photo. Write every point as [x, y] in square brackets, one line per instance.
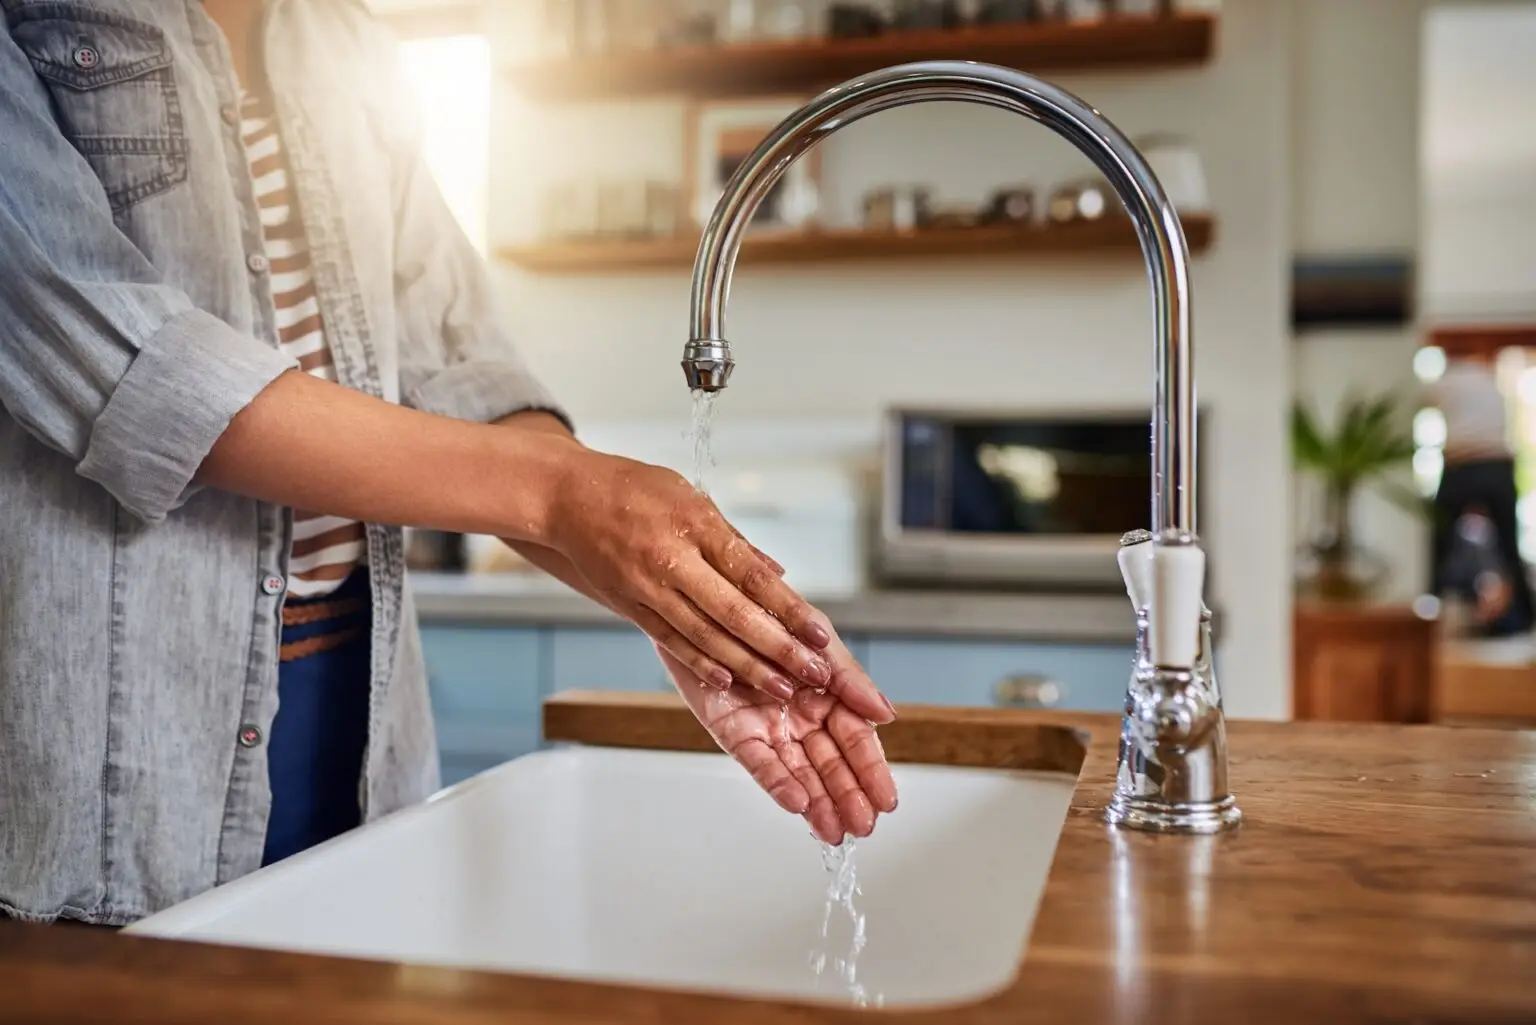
[272, 585]
[257, 263]
[86, 58]
[230, 113]
[250, 736]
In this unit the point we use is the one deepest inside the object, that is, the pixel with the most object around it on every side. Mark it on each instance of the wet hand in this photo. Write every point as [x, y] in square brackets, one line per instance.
[659, 553]
[814, 755]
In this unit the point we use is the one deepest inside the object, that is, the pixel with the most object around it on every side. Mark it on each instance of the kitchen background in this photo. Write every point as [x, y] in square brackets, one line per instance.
[1364, 130]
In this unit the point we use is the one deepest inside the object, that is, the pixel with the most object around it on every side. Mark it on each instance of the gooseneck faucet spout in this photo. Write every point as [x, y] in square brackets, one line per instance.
[1172, 719]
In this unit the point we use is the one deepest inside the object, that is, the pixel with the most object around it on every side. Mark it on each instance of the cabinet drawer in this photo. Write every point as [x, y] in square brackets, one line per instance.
[604, 658]
[981, 674]
[485, 685]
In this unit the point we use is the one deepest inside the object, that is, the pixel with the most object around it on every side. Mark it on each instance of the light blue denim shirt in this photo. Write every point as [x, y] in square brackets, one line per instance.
[139, 614]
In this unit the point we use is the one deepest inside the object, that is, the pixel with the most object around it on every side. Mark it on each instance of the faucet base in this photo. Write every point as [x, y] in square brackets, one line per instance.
[1154, 816]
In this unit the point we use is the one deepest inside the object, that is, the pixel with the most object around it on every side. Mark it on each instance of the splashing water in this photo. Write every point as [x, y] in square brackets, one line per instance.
[699, 433]
[842, 887]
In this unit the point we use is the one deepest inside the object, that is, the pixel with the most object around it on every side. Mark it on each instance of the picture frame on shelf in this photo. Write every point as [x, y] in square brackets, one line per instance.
[1366, 291]
[720, 136]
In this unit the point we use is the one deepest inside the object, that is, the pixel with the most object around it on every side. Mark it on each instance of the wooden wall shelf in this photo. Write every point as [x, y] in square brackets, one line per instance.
[804, 67]
[1117, 235]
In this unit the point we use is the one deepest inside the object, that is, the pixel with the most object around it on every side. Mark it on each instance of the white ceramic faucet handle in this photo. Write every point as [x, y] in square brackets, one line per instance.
[1135, 558]
[1173, 619]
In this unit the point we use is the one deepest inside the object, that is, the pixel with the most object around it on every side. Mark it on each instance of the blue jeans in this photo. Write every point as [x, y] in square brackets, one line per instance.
[315, 751]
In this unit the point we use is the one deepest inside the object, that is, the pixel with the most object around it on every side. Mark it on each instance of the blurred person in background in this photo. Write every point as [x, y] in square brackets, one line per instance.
[1479, 476]
[242, 338]
[1475, 576]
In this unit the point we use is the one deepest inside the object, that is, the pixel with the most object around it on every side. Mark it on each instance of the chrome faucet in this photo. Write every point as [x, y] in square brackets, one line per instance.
[1173, 761]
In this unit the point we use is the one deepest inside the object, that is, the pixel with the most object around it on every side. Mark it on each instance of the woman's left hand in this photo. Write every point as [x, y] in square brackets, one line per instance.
[814, 755]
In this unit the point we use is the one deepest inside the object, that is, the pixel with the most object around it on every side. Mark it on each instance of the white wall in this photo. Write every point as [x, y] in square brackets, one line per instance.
[1389, 157]
[1355, 188]
[829, 342]
[1479, 158]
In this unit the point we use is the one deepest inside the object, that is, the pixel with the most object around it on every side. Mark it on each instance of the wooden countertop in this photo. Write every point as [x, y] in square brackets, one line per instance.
[1383, 874]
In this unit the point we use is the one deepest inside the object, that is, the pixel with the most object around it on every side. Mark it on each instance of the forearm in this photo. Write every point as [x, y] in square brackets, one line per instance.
[318, 446]
[546, 559]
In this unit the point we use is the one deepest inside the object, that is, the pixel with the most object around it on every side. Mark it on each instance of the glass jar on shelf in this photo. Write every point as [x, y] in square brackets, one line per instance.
[736, 21]
[690, 23]
[1085, 12]
[792, 19]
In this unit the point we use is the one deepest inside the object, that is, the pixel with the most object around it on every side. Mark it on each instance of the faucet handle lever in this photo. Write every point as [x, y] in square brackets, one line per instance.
[1135, 558]
[1173, 616]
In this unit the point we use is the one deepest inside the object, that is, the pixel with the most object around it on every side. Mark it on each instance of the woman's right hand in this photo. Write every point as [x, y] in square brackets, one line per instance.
[660, 554]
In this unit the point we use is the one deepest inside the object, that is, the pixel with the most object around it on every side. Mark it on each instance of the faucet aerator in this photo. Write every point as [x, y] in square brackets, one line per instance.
[708, 366]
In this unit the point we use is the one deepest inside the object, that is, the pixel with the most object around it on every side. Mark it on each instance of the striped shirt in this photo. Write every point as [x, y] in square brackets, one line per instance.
[325, 548]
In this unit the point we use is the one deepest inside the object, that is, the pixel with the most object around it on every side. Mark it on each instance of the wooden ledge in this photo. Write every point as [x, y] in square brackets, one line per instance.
[1113, 237]
[928, 734]
[768, 68]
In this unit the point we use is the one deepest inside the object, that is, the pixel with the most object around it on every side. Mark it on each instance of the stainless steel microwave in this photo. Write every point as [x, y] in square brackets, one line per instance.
[1030, 500]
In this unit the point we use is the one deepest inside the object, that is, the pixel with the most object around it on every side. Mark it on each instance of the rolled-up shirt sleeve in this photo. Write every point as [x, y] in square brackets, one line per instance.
[456, 357]
[100, 359]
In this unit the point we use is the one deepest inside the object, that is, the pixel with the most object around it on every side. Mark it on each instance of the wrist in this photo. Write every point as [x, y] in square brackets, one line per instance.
[530, 472]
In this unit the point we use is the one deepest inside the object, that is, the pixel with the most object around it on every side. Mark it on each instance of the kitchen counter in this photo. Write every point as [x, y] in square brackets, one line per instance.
[516, 600]
[1382, 874]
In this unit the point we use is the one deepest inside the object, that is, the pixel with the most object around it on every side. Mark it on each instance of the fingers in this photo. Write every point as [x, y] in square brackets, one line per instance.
[770, 772]
[725, 625]
[853, 805]
[761, 580]
[860, 746]
[773, 563]
[744, 666]
[853, 687]
[679, 647]
[821, 814]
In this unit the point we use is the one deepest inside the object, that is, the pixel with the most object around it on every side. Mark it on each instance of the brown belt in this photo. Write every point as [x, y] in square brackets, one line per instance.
[319, 612]
[294, 650]
[315, 612]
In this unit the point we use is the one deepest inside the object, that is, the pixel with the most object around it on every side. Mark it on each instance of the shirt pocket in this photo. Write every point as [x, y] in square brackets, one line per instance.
[114, 96]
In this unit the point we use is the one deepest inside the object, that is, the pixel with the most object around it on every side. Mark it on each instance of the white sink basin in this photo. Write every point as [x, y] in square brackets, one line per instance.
[666, 869]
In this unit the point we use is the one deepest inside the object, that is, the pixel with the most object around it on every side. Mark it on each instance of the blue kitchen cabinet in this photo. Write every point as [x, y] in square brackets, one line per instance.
[621, 658]
[982, 674]
[486, 685]
[604, 658]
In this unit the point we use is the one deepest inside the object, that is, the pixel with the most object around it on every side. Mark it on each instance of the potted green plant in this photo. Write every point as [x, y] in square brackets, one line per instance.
[1371, 441]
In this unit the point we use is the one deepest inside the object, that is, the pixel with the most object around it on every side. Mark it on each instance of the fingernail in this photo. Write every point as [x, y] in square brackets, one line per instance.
[780, 688]
[816, 636]
[721, 677]
[817, 673]
[890, 708]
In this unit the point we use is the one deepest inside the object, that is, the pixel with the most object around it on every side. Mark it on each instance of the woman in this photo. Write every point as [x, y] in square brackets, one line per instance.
[1479, 475]
[242, 333]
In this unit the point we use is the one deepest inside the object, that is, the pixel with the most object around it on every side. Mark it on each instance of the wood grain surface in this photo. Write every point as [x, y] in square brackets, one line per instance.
[1383, 874]
[1112, 236]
